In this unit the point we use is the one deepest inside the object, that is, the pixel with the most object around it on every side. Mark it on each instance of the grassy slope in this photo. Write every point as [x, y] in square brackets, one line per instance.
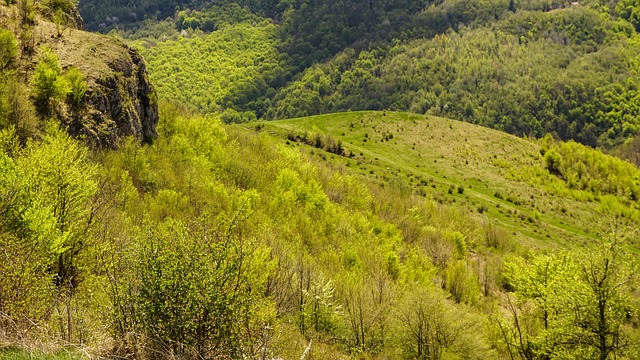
[437, 156]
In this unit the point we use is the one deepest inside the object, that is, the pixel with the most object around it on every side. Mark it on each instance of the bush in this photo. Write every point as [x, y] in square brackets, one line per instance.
[27, 12]
[195, 292]
[8, 50]
[553, 160]
[77, 85]
[48, 84]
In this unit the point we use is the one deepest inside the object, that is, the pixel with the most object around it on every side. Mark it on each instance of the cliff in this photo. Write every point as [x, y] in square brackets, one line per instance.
[119, 101]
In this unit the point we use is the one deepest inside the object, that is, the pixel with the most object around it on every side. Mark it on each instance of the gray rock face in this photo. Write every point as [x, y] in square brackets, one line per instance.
[120, 103]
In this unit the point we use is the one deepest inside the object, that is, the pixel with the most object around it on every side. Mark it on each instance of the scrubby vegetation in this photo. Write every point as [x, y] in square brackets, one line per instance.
[197, 253]
[353, 235]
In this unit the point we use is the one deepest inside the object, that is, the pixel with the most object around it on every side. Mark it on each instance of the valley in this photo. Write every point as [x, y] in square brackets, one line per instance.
[319, 179]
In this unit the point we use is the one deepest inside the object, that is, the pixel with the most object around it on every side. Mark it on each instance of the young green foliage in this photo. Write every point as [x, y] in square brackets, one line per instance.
[8, 50]
[77, 85]
[48, 84]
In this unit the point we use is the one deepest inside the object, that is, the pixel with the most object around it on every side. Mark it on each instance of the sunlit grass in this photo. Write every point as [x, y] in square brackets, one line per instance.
[487, 172]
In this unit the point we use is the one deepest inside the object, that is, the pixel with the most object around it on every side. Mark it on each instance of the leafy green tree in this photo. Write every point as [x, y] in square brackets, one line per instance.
[581, 301]
[26, 287]
[48, 84]
[61, 185]
[8, 50]
[603, 304]
[460, 281]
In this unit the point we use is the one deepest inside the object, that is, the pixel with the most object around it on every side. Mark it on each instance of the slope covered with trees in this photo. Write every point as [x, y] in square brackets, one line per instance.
[558, 76]
[234, 68]
[353, 235]
[527, 68]
[179, 249]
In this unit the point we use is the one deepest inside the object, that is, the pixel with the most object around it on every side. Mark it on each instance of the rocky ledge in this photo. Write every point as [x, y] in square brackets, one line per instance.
[120, 101]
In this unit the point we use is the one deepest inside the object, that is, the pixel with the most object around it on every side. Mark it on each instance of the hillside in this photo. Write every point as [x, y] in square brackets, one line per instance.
[528, 68]
[136, 225]
[499, 177]
[244, 241]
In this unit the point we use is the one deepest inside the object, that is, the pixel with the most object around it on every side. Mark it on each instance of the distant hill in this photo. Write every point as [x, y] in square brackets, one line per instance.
[523, 67]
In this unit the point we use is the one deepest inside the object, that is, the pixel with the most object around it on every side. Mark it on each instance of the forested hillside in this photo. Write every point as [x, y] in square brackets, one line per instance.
[217, 229]
[524, 67]
[179, 249]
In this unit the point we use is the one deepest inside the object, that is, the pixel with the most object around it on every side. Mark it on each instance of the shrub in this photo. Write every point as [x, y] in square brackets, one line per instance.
[553, 160]
[8, 50]
[196, 293]
[77, 85]
[27, 12]
[48, 84]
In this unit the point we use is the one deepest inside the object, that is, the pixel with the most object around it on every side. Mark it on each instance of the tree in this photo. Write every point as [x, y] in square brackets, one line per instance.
[48, 84]
[432, 327]
[603, 303]
[582, 301]
[8, 50]
[61, 185]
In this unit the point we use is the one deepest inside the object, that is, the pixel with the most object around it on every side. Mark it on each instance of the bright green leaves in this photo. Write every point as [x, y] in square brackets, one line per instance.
[229, 68]
[572, 304]
[51, 85]
[8, 50]
[58, 174]
[47, 190]
[77, 85]
[48, 83]
[50, 187]
[198, 288]
[61, 184]
[587, 169]
[630, 11]
[292, 189]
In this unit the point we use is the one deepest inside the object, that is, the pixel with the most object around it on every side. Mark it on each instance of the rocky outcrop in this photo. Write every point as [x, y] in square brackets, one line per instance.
[120, 101]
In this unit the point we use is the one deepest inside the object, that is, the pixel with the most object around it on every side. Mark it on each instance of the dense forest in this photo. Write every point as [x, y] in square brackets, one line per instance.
[525, 67]
[231, 231]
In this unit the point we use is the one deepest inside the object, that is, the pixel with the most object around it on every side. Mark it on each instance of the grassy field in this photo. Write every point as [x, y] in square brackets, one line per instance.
[492, 174]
